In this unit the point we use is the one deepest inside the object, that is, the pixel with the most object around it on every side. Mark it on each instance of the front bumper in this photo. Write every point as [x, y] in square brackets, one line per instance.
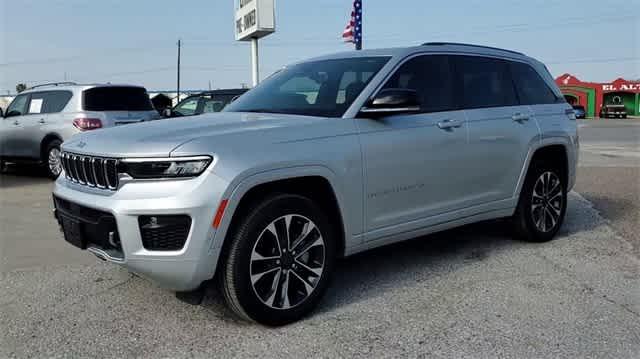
[180, 270]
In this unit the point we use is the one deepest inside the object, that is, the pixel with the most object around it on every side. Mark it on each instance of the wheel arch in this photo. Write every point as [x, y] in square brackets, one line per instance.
[556, 151]
[316, 182]
[45, 142]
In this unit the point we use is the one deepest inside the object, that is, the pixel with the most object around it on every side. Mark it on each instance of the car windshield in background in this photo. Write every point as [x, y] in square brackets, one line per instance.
[196, 105]
[114, 98]
[318, 88]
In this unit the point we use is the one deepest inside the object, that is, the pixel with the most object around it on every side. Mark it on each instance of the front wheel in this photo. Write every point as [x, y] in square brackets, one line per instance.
[52, 159]
[542, 204]
[279, 262]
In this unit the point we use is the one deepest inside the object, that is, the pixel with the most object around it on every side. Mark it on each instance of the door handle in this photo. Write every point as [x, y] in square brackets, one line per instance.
[16, 122]
[41, 121]
[520, 117]
[449, 124]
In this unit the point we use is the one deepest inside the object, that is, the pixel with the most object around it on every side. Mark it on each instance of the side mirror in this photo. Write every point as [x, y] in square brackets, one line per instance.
[392, 101]
[12, 113]
[167, 112]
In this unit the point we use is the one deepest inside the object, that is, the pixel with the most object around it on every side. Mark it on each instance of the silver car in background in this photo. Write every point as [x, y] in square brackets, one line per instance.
[327, 158]
[39, 119]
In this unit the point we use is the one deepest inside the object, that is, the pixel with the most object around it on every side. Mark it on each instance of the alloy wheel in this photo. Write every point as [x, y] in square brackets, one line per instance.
[547, 202]
[55, 166]
[287, 261]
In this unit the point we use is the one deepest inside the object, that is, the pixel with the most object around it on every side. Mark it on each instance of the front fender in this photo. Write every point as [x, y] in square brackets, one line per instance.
[239, 187]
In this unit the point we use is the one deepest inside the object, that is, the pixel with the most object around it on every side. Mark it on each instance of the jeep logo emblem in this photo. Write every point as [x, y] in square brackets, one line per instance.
[81, 144]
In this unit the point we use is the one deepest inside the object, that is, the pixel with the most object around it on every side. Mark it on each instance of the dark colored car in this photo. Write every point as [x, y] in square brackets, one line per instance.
[613, 111]
[579, 111]
[205, 102]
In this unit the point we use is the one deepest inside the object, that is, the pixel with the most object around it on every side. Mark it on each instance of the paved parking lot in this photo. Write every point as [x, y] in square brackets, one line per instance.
[471, 292]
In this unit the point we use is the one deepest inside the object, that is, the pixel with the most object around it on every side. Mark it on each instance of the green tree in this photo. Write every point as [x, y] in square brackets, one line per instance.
[21, 87]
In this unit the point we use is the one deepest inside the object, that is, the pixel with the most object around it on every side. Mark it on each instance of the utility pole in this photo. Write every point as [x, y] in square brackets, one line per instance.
[178, 87]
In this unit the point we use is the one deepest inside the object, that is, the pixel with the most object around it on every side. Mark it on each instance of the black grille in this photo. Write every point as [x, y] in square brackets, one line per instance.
[91, 171]
[164, 233]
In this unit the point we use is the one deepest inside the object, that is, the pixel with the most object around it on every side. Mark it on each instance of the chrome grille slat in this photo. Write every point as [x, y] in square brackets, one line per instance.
[106, 174]
[80, 170]
[87, 174]
[74, 168]
[91, 171]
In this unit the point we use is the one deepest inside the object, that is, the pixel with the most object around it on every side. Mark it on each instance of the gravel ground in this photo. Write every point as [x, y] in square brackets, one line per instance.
[470, 292]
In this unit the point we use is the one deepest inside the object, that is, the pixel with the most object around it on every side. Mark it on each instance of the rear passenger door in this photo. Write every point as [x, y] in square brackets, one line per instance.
[547, 109]
[500, 129]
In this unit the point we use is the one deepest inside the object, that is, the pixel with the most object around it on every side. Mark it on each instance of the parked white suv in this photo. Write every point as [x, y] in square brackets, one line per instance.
[326, 158]
[39, 119]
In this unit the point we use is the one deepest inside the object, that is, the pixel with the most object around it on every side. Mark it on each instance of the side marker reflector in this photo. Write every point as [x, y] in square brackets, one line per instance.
[219, 213]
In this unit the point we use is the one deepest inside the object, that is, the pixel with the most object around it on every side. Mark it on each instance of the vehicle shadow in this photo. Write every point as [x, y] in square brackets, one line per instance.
[23, 175]
[406, 264]
[366, 275]
[370, 274]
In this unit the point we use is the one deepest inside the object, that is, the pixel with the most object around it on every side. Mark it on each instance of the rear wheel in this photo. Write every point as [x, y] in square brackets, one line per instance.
[542, 204]
[279, 262]
[53, 165]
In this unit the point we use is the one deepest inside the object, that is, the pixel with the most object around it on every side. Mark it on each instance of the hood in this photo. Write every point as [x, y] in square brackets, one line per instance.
[159, 138]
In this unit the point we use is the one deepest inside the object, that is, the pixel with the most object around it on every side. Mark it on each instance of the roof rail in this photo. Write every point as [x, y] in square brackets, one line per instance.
[470, 45]
[53, 84]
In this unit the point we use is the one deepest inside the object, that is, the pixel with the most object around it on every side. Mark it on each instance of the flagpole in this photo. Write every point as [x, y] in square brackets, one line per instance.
[359, 43]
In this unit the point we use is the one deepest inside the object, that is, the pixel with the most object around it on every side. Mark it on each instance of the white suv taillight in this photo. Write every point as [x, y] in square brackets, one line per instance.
[86, 124]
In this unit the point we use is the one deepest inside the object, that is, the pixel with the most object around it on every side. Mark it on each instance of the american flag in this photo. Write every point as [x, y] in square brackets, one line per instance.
[353, 32]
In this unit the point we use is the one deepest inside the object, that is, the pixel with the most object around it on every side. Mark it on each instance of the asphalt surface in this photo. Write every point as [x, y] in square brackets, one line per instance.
[470, 292]
[609, 173]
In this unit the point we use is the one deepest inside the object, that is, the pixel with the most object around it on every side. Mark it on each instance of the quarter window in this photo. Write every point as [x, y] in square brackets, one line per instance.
[485, 82]
[532, 89]
[430, 76]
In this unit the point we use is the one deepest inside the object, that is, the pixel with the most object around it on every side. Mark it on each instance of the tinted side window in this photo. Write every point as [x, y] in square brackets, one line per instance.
[431, 77]
[532, 89]
[55, 101]
[485, 82]
[18, 106]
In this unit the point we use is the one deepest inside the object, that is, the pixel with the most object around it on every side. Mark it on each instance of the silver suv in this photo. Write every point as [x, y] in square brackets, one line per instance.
[38, 120]
[327, 158]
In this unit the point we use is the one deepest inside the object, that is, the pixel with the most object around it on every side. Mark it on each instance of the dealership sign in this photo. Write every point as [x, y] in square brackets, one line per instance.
[254, 19]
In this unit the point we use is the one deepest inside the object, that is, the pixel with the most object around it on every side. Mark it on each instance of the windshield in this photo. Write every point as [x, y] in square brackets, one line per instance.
[320, 88]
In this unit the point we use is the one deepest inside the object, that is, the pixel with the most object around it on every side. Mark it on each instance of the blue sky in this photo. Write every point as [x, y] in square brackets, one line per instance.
[134, 41]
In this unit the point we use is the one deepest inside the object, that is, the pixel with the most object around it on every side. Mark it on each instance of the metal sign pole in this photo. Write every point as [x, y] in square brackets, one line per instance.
[254, 61]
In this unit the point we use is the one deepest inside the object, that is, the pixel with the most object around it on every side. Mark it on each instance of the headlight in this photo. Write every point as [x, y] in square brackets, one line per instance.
[178, 167]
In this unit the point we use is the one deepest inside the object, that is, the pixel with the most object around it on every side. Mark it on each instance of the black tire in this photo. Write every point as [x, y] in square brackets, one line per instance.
[3, 166]
[525, 226]
[237, 269]
[53, 145]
